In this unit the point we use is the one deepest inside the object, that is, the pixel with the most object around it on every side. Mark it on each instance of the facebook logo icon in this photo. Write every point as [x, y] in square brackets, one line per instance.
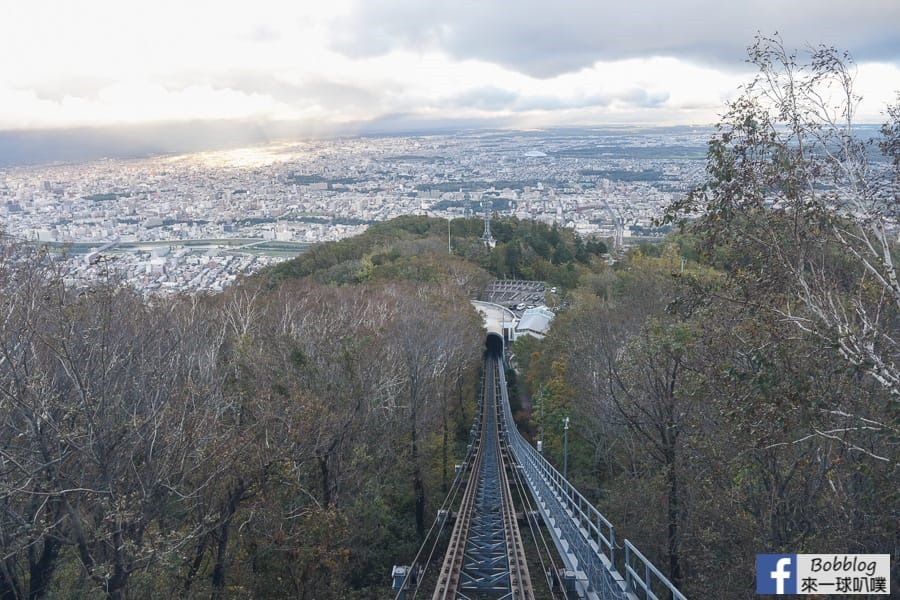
[776, 573]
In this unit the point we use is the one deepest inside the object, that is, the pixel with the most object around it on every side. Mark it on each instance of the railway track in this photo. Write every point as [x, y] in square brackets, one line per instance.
[485, 557]
[571, 544]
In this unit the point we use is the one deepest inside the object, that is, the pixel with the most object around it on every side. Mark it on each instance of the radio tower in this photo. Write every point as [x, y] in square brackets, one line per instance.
[486, 237]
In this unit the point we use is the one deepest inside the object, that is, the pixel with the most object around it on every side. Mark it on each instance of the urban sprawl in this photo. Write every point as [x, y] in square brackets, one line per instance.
[196, 222]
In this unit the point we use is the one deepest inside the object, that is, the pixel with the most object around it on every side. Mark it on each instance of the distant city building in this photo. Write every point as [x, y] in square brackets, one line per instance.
[322, 190]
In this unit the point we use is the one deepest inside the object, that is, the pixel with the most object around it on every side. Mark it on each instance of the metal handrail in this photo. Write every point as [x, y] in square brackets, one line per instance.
[645, 583]
[589, 537]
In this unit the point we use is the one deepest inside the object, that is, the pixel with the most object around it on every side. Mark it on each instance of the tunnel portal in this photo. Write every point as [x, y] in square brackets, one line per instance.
[493, 345]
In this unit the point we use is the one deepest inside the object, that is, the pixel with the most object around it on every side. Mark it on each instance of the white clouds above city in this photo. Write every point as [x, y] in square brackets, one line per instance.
[343, 64]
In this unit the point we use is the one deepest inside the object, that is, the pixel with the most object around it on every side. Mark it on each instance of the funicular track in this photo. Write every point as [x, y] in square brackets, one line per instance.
[485, 557]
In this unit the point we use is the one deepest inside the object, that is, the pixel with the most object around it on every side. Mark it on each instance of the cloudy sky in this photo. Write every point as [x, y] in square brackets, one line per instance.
[335, 63]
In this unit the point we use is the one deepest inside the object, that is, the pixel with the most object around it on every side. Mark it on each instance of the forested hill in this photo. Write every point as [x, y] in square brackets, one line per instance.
[422, 248]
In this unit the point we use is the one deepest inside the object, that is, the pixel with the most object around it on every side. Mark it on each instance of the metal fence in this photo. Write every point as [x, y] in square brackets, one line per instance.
[585, 539]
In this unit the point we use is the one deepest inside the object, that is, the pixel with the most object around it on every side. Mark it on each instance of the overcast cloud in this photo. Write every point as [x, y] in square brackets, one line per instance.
[344, 63]
[545, 39]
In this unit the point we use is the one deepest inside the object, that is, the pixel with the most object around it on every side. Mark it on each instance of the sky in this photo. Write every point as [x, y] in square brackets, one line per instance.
[342, 64]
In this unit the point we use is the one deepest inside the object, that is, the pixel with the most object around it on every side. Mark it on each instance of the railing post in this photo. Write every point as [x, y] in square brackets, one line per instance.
[647, 581]
[628, 586]
[612, 544]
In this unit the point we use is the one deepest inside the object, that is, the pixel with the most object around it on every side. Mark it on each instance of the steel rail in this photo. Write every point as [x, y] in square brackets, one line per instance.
[520, 580]
[485, 555]
[448, 579]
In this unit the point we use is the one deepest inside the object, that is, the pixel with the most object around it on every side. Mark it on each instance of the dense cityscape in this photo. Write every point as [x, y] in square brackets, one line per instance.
[194, 222]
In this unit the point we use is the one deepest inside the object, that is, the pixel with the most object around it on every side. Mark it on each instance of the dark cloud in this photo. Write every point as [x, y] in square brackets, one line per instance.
[640, 98]
[316, 92]
[495, 99]
[542, 102]
[414, 124]
[134, 141]
[340, 95]
[545, 39]
[485, 98]
[310, 92]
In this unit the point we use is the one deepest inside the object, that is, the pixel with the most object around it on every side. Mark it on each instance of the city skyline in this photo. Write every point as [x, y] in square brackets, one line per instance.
[195, 222]
[315, 68]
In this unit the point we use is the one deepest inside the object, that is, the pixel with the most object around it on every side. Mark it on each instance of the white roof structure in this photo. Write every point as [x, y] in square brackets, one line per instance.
[535, 321]
[499, 320]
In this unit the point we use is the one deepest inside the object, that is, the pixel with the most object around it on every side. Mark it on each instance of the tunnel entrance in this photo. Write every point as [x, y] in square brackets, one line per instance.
[493, 345]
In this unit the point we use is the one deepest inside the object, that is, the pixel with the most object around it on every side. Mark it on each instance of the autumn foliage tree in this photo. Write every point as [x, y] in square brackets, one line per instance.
[276, 440]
